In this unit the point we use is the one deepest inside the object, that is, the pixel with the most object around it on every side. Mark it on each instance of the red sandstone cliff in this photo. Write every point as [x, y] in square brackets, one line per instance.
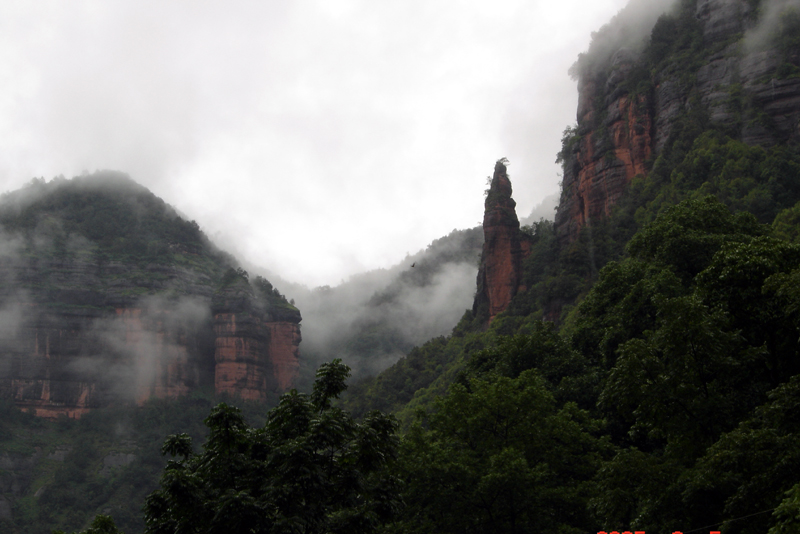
[106, 296]
[63, 357]
[737, 86]
[504, 248]
[256, 350]
[68, 362]
[611, 146]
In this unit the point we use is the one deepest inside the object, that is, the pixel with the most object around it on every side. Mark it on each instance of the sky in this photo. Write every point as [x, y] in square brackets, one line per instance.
[314, 138]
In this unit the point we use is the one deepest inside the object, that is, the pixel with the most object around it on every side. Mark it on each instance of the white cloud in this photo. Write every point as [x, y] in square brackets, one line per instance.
[321, 137]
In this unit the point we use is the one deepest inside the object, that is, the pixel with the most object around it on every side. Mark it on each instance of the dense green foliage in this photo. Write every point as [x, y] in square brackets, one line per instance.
[65, 462]
[109, 209]
[499, 455]
[663, 394]
[70, 465]
[101, 524]
[310, 469]
[677, 374]
[96, 239]
[679, 336]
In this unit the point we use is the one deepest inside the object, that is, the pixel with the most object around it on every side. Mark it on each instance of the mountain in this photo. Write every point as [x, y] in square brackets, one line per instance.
[632, 366]
[677, 100]
[730, 66]
[110, 296]
[656, 316]
[374, 318]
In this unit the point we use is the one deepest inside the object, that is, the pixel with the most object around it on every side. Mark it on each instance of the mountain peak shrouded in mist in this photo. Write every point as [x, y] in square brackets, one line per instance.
[628, 31]
[107, 296]
[728, 66]
[374, 318]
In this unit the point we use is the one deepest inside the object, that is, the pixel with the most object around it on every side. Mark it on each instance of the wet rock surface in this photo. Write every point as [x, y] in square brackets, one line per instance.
[82, 327]
[256, 349]
[738, 86]
[504, 248]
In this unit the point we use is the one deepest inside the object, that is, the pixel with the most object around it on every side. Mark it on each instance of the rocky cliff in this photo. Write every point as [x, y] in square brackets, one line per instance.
[94, 312]
[256, 347]
[504, 248]
[729, 65]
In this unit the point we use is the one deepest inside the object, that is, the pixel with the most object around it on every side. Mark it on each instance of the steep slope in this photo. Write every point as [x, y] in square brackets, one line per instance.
[106, 297]
[728, 65]
[373, 319]
[504, 249]
[653, 130]
[247, 326]
[669, 285]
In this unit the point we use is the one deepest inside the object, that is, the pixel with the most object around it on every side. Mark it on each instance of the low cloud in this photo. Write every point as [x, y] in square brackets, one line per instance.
[771, 14]
[546, 209]
[375, 318]
[148, 347]
[630, 28]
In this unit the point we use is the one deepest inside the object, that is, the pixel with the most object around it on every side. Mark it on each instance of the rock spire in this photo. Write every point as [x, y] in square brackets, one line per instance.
[504, 248]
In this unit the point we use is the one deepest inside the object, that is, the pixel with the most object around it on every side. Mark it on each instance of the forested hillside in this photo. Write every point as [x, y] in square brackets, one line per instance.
[374, 318]
[643, 373]
[116, 310]
[663, 382]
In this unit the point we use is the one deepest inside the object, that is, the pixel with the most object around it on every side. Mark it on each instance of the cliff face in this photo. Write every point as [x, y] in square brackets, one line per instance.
[256, 350]
[504, 248]
[70, 362]
[604, 163]
[81, 328]
[738, 83]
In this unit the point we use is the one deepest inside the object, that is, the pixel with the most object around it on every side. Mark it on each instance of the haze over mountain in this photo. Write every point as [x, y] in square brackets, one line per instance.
[362, 130]
[633, 364]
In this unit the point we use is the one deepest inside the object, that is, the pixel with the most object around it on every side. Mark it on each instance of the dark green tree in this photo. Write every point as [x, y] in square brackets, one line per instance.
[102, 524]
[498, 455]
[311, 469]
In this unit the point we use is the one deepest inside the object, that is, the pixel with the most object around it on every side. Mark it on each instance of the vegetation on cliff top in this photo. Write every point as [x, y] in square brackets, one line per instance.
[129, 242]
[678, 334]
[663, 394]
[120, 217]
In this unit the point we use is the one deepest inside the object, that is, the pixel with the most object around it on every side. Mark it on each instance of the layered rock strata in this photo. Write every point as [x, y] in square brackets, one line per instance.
[74, 338]
[256, 349]
[738, 86]
[504, 248]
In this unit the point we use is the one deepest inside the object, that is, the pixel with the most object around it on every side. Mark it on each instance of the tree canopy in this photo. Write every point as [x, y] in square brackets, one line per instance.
[310, 469]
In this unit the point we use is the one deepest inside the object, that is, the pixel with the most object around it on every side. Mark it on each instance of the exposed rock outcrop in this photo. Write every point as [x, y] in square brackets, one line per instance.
[83, 342]
[624, 120]
[604, 163]
[504, 248]
[80, 330]
[256, 349]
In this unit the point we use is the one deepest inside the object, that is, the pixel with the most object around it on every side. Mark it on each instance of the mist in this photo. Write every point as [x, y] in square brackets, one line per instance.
[629, 29]
[770, 16]
[58, 326]
[374, 318]
[146, 348]
[546, 209]
[350, 131]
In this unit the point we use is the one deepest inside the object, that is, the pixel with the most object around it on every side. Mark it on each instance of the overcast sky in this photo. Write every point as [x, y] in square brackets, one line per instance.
[317, 139]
